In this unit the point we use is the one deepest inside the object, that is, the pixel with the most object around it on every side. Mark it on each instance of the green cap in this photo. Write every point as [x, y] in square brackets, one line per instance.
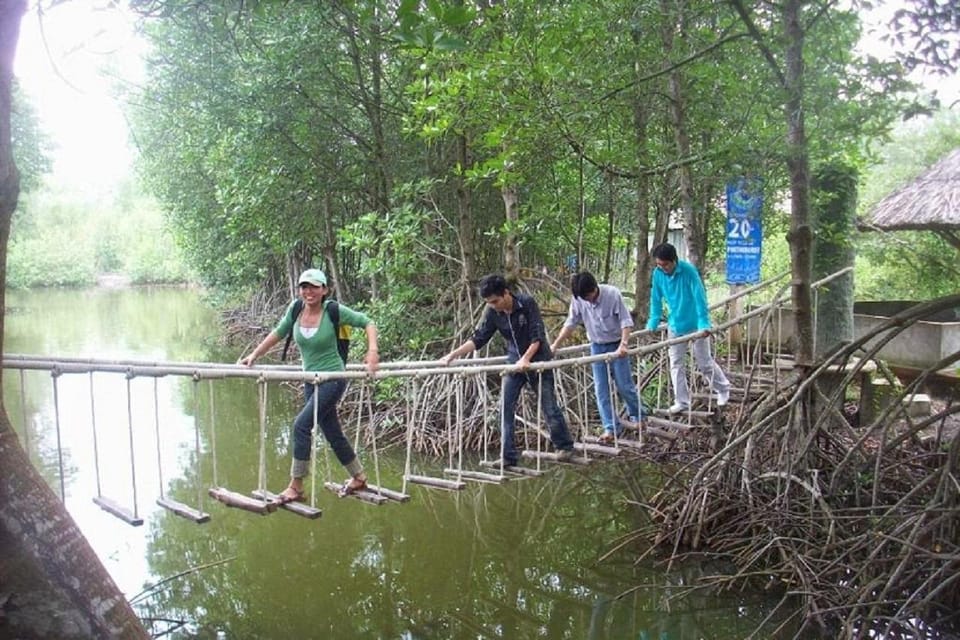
[313, 276]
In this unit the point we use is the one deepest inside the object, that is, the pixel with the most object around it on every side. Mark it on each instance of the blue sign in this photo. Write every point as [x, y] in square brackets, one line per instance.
[744, 230]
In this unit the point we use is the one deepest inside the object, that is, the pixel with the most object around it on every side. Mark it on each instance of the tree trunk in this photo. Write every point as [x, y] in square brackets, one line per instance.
[692, 228]
[56, 580]
[641, 284]
[835, 199]
[511, 253]
[800, 236]
[329, 251]
[581, 217]
[465, 230]
[610, 189]
[58, 584]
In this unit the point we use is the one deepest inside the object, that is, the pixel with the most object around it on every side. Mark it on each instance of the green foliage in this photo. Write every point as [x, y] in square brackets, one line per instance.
[49, 261]
[406, 265]
[61, 239]
[31, 146]
[907, 265]
[295, 122]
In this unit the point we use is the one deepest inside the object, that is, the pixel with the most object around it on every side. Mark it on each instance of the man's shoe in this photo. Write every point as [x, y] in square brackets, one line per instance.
[564, 455]
[678, 408]
[723, 397]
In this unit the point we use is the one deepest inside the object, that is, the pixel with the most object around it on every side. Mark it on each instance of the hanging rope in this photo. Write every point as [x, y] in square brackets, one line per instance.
[93, 425]
[406, 463]
[315, 446]
[460, 382]
[360, 406]
[539, 416]
[156, 424]
[133, 462]
[196, 439]
[583, 398]
[373, 434]
[611, 383]
[55, 374]
[450, 430]
[640, 404]
[213, 435]
[483, 396]
[23, 412]
[262, 453]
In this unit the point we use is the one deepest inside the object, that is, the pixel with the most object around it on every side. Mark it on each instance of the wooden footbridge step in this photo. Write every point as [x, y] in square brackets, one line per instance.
[240, 501]
[118, 510]
[297, 507]
[592, 444]
[663, 413]
[437, 483]
[519, 471]
[479, 476]
[622, 443]
[364, 495]
[553, 456]
[390, 494]
[183, 510]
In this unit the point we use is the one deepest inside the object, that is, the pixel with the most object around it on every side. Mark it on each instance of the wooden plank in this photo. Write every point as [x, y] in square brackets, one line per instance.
[654, 422]
[683, 414]
[364, 495]
[240, 501]
[439, 483]
[297, 507]
[624, 442]
[520, 471]
[650, 430]
[117, 510]
[183, 510]
[479, 476]
[552, 456]
[593, 445]
[396, 496]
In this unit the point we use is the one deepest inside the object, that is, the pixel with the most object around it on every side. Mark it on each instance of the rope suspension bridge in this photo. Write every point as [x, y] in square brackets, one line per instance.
[752, 347]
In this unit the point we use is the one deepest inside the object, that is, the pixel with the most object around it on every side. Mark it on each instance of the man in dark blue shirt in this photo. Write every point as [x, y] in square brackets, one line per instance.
[517, 318]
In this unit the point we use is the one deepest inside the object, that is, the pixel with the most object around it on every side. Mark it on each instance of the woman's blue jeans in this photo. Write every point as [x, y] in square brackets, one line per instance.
[512, 384]
[328, 395]
[622, 378]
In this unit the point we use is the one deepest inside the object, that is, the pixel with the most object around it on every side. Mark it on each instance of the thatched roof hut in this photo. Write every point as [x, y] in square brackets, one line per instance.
[931, 203]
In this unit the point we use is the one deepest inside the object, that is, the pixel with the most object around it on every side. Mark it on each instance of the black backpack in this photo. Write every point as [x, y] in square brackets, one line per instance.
[343, 332]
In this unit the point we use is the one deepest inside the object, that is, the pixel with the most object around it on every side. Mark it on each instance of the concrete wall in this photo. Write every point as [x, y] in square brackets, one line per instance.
[919, 346]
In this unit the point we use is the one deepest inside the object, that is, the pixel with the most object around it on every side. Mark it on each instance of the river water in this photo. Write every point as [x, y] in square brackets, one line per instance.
[528, 558]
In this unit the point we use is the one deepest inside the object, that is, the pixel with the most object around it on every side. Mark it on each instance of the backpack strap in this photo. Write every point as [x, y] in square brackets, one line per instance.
[343, 340]
[333, 308]
[297, 309]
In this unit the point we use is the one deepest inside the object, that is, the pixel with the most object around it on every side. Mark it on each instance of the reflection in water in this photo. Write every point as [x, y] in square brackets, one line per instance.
[518, 560]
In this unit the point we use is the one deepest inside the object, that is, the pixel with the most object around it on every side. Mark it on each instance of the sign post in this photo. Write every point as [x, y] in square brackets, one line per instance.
[744, 239]
[744, 230]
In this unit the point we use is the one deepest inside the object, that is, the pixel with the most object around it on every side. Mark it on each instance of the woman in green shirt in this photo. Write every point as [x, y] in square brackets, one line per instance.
[316, 338]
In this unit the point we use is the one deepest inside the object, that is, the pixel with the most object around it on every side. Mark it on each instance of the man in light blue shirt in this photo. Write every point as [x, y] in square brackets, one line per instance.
[602, 311]
[678, 283]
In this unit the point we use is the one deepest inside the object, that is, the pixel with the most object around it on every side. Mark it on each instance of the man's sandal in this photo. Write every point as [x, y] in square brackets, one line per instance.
[351, 486]
[606, 438]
